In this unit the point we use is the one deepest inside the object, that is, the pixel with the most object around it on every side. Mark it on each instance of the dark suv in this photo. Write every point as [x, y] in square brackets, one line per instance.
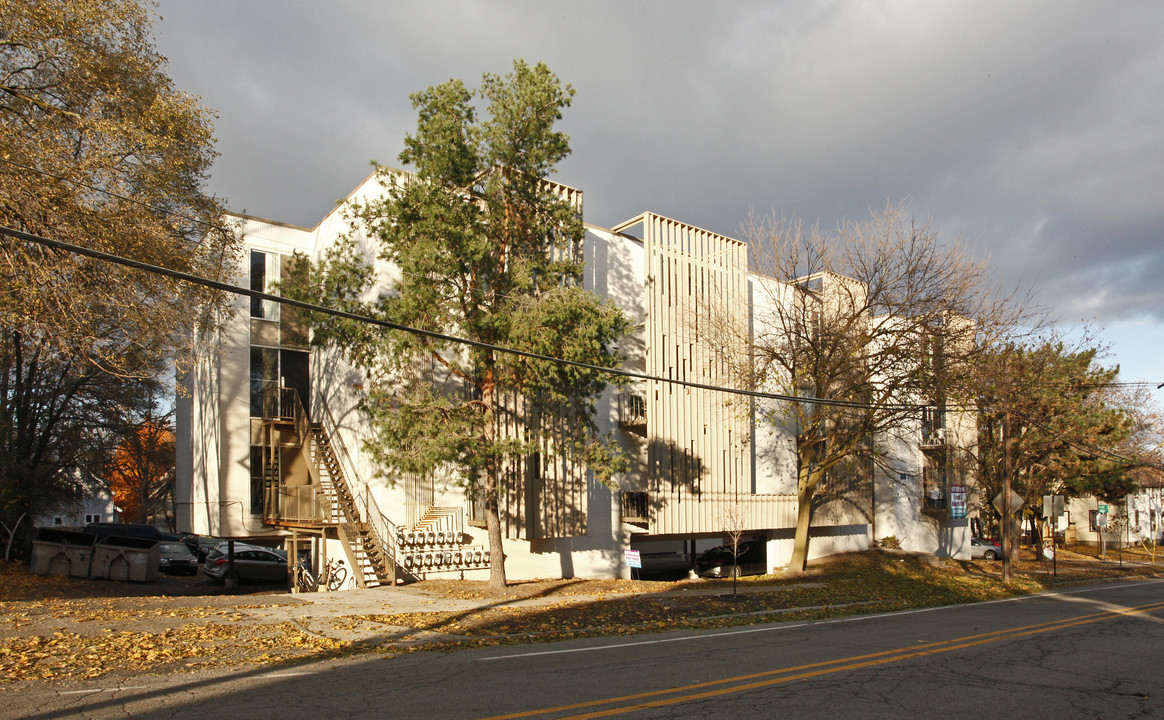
[133, 530]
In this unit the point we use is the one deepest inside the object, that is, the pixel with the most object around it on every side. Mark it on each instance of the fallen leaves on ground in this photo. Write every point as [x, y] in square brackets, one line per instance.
[864, 582]
[70, 655]
[54, 628]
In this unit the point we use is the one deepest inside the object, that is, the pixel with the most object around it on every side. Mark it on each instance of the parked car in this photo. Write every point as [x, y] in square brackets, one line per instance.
[718, 561]
[177, 559]
[252, 563]
[985, 548]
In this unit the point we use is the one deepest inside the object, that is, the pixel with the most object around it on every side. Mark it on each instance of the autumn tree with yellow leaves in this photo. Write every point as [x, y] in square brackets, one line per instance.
[97, 149]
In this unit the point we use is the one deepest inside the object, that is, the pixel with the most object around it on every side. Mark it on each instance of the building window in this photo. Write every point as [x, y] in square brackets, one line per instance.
[270, 368]
[58, 521]
[256, 480]
[258, 281]
[264, 378]
[264, 271]
[92, 519]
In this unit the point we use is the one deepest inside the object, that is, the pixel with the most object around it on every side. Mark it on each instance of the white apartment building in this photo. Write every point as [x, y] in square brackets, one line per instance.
[270, 436]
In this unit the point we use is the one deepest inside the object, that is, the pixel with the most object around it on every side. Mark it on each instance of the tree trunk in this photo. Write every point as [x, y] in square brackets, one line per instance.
[799, 561]
[11, 536]
[492, 507]
[493, 530]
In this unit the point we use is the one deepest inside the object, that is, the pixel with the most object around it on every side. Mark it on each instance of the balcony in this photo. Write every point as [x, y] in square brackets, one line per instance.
[942, 498]
[632, 413]
[933, 437]
[635, 507]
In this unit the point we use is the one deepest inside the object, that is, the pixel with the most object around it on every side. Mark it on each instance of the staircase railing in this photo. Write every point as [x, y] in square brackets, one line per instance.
[329, 498]
[383, 530]
[335, 439]
[296, 503]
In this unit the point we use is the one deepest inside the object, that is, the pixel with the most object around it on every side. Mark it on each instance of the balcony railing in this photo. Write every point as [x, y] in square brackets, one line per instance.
[635, 507]
[297, 504]
[933, 437]
[632, 411]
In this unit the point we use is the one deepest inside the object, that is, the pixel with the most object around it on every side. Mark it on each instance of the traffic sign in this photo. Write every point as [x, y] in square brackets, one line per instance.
[1015, 504]
[1103, 508]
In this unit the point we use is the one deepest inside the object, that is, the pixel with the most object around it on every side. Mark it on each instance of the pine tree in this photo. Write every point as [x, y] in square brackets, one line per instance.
[485, 248]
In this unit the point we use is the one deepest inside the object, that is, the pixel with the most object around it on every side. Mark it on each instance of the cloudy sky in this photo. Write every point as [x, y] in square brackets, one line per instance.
[1032, 130]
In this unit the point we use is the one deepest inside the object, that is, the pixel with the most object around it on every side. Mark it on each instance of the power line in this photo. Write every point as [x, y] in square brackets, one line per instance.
[617, 372]
[213, 226]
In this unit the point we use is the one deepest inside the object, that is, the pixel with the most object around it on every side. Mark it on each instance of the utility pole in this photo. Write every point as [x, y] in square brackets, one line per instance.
[1007, 540]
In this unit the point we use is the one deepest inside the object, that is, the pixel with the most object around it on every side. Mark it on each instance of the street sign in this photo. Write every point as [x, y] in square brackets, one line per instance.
[1103, 509]
[1015, 504]
[1052, 506]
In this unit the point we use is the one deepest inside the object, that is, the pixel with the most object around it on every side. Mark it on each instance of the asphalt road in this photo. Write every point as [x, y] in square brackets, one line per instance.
[1091, 652]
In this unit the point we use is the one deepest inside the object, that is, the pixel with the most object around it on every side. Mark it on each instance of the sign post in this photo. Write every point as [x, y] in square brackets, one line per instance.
[1101, 525]
[1007, 503]
[634, 561]
[1053, 507]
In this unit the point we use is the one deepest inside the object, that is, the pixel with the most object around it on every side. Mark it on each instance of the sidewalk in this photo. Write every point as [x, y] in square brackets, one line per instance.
[343, 615]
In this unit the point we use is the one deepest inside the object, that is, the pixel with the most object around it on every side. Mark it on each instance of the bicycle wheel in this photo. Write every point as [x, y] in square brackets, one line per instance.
[336, 579]
[307, 583]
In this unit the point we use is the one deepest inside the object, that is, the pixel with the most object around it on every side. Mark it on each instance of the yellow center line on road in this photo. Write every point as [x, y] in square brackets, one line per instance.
[753, 681]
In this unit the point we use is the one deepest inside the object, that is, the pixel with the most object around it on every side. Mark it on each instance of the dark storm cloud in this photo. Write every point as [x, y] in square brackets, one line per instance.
[1031, 129]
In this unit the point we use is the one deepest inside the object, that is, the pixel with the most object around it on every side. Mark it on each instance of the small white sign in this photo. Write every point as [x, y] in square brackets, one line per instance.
[633, 558]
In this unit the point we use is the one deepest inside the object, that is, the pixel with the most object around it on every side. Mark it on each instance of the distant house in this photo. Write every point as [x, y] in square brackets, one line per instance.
[270, 436]
[1137, 518]
[95, 507]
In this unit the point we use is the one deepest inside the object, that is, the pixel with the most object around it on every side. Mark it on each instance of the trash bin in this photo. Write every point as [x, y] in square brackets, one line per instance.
[62, 552]
[126, 559]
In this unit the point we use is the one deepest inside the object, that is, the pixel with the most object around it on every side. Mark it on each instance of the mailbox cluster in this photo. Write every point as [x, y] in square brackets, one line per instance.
[437, 550]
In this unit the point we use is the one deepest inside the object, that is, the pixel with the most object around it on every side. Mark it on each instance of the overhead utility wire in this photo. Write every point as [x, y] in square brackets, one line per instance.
[226, 287]
[278, 299]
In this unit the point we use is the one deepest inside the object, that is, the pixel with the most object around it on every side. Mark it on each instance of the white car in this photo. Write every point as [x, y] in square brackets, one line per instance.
[987, 549]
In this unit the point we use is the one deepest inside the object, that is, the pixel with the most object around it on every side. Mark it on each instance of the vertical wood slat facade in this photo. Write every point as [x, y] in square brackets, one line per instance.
[542, 494]
[698, 459]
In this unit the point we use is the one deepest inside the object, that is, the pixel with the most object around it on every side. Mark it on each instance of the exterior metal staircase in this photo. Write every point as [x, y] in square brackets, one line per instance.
[368, 553]
[378, 551]
[367, 536]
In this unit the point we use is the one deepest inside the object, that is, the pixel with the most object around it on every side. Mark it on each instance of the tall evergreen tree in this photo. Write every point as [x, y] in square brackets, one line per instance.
[1047, 418]
[485, 248]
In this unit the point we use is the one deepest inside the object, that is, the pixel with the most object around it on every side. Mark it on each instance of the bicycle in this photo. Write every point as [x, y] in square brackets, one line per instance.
[334, 574]
[304, 580]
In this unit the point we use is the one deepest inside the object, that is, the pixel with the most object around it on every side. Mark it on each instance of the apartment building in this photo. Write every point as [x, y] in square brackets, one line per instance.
[270, 435]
